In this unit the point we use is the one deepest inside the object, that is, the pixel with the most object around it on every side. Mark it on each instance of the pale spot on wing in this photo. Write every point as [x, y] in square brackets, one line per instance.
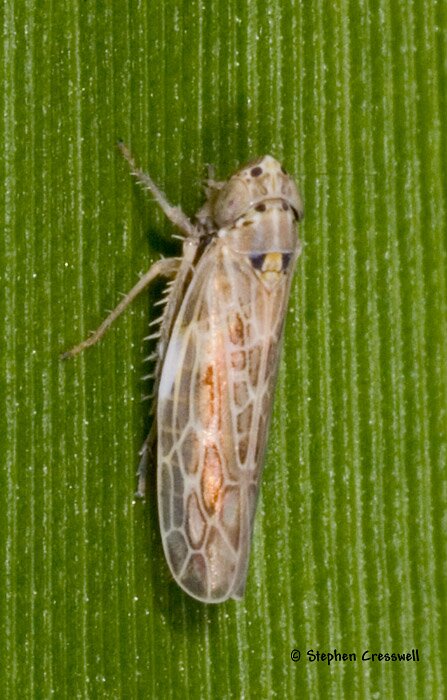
[221, 562]
[212, 479]
[195, 522]
[230, 514]
[170, 367]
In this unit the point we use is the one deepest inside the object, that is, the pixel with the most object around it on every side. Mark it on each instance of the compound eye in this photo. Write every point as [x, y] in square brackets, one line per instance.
[232, 202]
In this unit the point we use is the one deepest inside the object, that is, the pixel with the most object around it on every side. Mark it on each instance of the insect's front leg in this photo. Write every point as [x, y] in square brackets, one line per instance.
[174, 214]
[167, 267]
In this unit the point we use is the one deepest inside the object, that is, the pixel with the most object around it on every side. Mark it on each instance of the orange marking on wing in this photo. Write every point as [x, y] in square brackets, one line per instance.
[211, 398]
[208, 380]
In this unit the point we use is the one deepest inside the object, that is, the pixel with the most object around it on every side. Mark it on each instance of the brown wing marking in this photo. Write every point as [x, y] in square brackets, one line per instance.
[210, 459]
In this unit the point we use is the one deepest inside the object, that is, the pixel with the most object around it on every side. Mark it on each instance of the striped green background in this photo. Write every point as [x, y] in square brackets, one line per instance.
[350, 543]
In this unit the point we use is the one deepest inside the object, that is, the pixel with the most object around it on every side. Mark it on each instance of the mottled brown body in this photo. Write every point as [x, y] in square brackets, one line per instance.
[215, 392]
[217, 359]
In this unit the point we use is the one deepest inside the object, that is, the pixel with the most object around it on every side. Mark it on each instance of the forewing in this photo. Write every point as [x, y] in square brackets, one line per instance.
[214, 405]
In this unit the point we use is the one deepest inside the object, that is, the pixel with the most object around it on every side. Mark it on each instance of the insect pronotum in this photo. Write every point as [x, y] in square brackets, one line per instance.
[216, 364]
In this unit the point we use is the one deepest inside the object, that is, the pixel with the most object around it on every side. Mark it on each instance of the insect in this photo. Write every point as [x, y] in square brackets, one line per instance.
[216, 364]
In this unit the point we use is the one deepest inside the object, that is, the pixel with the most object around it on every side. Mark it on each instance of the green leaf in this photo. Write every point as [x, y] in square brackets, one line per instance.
[349, 548]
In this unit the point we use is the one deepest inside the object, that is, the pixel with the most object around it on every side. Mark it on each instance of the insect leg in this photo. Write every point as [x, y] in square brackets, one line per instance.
[166, 267]
[174, 214]
[145, 452]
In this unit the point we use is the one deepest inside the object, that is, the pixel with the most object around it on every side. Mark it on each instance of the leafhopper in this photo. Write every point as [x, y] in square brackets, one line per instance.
[215, 369]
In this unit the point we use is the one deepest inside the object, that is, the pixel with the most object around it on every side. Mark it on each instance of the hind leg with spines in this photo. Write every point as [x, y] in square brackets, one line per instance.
[162, 268]
[166, 267]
